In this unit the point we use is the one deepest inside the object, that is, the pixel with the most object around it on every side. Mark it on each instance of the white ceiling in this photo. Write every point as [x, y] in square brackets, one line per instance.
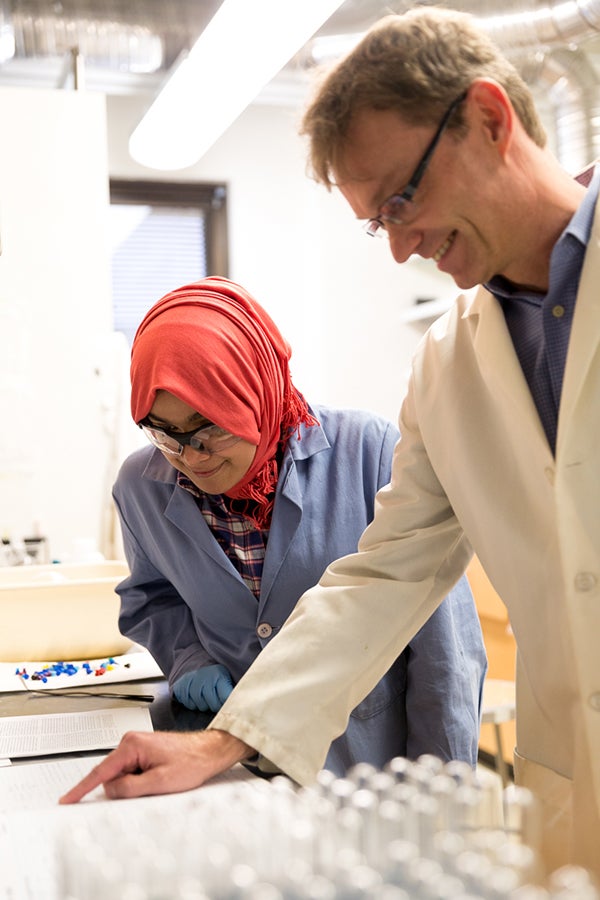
[129, 46]
[118, 38]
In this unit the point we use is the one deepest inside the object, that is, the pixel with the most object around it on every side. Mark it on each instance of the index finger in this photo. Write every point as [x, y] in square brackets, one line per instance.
[115, 764]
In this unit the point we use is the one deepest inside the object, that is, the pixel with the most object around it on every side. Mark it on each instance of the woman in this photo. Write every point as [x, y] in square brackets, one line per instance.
[243, 499]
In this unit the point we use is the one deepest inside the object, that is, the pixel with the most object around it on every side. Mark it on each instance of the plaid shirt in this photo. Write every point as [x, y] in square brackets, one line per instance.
[241, 542]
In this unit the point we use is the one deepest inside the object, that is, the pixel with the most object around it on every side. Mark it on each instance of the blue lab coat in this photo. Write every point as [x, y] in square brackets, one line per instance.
[186, 603]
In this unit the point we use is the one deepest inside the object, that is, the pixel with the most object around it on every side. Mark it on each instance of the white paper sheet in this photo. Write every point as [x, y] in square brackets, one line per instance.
[136, 665]
[32, 825]
[69, 732]
[37, 786]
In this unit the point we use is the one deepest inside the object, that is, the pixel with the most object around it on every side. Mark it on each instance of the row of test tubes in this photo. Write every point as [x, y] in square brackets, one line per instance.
[423, 830]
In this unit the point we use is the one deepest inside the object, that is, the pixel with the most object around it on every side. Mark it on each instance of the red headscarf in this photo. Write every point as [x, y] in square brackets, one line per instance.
[211, 345]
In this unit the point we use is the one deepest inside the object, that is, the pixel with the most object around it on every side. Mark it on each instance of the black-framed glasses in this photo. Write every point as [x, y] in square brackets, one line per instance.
[400, 209]
[209, 439]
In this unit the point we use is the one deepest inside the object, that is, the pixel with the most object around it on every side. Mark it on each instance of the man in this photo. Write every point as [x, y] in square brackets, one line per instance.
[432, 137]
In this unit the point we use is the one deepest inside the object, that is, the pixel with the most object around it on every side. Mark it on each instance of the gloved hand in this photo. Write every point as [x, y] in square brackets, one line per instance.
[206, 689]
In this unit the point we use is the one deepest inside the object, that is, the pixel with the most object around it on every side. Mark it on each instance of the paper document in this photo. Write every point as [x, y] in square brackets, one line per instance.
[33, 826]
[40, 785]
[100, 729]
[44, 675]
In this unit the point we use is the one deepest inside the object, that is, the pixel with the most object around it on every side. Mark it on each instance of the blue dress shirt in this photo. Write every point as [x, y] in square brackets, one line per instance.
[540, 324]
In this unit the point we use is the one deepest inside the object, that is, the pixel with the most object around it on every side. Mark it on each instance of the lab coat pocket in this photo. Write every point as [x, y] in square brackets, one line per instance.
[554, 793]
[385, 692]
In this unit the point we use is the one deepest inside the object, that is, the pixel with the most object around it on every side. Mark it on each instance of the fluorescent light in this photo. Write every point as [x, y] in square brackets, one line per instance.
[7, 41]
[241, 49]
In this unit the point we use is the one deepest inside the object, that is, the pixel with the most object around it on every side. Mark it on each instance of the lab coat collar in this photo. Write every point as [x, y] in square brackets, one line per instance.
[498, 362]
[312, 440]
[498, 359]
[583, 342]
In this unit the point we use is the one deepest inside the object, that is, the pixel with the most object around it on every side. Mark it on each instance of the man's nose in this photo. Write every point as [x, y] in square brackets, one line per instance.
[404, 241]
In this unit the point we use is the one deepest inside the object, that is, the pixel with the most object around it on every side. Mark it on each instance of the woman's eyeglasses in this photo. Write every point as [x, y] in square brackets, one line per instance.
[209, 439]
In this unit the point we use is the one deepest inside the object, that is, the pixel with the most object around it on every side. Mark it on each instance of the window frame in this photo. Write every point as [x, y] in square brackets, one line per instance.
[210, 197]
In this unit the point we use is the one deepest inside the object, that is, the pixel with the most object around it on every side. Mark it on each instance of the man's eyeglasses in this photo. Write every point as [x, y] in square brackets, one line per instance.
[209, 439]
[400, 209]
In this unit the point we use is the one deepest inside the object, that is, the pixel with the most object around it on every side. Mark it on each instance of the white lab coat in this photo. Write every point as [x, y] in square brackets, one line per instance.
[473, 470]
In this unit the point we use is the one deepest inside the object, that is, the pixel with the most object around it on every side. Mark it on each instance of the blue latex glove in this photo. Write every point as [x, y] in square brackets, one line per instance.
[206, 689]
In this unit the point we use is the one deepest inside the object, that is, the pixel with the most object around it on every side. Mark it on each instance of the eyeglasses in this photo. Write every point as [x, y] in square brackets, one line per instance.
[400, 209]
[210, 439]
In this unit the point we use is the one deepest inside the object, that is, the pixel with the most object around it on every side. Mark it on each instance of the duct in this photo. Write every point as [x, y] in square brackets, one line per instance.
[105, 43]
[562, 78]
[566, 83]
[133, 37]
[556, 22]
[138, 38]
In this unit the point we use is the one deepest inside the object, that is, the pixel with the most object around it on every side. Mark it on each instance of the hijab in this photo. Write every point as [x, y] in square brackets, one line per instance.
[215, 348]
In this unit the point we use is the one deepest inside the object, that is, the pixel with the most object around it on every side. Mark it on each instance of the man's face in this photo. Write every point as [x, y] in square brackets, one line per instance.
[456, 217]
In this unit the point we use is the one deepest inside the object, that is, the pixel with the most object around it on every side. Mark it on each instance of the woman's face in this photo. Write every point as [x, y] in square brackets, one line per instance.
[212, 473]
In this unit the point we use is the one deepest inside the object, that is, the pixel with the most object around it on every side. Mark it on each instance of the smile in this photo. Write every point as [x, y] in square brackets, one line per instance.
[208, 474]
[441, 251]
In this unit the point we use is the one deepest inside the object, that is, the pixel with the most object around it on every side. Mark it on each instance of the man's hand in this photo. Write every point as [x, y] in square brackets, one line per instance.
[161, 762]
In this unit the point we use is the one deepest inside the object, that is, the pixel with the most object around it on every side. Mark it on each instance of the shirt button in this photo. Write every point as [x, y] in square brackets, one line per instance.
[585, 581]
[558, 311]
[594, 701]
[549, 473]
[264, 630]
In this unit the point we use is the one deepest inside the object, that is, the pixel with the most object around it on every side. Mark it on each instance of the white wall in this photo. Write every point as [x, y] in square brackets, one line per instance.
[335, 294]
[55, 315]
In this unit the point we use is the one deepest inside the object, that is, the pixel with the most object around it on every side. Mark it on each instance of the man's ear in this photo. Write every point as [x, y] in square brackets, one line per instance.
[492, 111]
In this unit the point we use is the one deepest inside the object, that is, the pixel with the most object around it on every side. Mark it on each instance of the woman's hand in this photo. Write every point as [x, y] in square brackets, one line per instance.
[205, 689]
[161, 762]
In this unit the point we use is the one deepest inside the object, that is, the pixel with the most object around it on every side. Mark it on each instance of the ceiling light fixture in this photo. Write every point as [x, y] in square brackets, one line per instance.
[241, 49]
[7, 38]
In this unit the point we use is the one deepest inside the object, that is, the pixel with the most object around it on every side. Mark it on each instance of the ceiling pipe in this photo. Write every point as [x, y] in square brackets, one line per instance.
[562, 75]
[565, 83]
[111, 43]
[558, 22]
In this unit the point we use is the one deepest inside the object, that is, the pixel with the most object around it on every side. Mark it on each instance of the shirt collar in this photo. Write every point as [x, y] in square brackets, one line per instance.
[579, 227]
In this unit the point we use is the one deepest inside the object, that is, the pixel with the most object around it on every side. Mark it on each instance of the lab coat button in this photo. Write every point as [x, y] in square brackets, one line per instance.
[594, 701]
[585, 581]
[264, 630]
[549, 472]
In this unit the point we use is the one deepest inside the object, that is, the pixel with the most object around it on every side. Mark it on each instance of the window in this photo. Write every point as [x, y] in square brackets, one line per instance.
[162, 235]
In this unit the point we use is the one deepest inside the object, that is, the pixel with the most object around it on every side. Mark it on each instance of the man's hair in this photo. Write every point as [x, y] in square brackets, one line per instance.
[417, 63]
